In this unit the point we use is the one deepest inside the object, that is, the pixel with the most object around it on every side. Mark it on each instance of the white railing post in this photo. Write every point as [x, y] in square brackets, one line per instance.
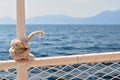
[20, 48]
[20, 19]
[22, 72]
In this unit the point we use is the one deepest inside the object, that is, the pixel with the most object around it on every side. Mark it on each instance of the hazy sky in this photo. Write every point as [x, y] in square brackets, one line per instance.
[75, 8]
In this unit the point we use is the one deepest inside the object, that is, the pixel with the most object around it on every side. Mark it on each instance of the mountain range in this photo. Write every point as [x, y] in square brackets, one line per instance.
[105, 17]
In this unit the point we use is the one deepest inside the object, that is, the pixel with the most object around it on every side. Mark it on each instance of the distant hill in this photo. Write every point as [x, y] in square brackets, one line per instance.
[106, 17]
[52, 19]
[7, 20]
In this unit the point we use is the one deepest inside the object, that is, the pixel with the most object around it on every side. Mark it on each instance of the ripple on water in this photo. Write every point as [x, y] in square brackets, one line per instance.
[65, 39]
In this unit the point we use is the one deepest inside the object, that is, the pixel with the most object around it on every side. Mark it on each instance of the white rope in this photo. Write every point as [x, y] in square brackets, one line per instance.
[20, 49]
[31, 35]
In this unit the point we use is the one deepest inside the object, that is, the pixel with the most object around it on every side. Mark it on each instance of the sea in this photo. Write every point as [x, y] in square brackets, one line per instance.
[62, 40]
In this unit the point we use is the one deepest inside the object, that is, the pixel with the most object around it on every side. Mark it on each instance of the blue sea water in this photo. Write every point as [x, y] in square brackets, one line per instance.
[63, 40]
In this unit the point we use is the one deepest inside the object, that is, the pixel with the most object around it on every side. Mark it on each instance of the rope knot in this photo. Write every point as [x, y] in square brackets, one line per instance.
[20, 49]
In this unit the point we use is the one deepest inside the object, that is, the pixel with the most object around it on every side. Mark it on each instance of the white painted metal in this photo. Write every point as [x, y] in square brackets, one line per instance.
[21, 69]
[20, 19]
[22, 73]
[64, 60]
[23, 66]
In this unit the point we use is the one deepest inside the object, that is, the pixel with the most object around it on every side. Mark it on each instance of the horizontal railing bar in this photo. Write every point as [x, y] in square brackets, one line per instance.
[86, 58]
[4, 65]
[65, 60]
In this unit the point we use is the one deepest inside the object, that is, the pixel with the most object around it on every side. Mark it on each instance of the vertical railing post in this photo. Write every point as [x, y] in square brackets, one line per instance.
[20, 19]
[22, 73]
[20, 50]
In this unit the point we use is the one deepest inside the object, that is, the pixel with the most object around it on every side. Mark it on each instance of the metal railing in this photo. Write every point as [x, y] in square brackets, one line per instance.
[99, 66]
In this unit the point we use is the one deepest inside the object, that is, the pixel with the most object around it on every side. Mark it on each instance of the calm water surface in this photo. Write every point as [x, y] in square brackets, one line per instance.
[64, 39]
